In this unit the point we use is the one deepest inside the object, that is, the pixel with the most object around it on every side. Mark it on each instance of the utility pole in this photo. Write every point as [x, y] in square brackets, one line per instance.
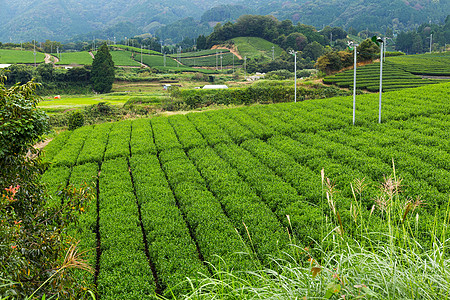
[381, 77]
[292, 52]
[34, 52]
[233, 62]
[354, 46]
[431, 41]
[245, 66]
[141, 54]
[216, 60]
[221, 59]
[273, 52]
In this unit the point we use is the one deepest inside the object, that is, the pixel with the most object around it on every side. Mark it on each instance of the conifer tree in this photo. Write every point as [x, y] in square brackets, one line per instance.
[102, 75]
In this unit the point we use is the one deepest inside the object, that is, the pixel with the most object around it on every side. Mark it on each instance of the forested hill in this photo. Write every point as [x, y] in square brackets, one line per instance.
[62, 19]
[359, 14]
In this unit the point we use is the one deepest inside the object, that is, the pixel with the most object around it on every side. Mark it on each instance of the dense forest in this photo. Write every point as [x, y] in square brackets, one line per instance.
[64, 20]
[425, 36]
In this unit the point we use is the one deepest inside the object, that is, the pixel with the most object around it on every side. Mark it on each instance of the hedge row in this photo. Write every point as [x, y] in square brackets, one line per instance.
[95, 144]
[52, 149]
[253, 94]
[256, 223]
[165, 137]
[278, 195]
[119, 140]
[188, 136]
[171, 248]
[209, 129]
[85, 229]
[69, 152]
[142, 137]
[217, 239]
[124, 269]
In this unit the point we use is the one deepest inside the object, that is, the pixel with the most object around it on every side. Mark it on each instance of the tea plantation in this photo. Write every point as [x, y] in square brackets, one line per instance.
[174, 192]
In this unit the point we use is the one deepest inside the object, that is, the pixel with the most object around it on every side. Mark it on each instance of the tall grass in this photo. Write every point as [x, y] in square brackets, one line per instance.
[389, 264]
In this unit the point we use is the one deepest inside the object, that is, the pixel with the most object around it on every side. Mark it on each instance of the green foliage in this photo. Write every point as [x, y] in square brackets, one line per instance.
[76, 120]
[418, 40]
[252, 94]
[32, 243]
[102, 74]
[368, 50]
[21, 124]
[279, 75]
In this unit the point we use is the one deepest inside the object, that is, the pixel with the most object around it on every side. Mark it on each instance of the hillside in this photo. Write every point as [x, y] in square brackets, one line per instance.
[173, 191]
[24, 20]
[254, 47]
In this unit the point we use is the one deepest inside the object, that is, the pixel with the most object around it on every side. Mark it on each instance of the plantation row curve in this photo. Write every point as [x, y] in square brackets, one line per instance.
[174, 192]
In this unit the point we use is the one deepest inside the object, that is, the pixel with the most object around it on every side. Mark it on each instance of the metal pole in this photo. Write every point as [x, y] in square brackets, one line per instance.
[295, 75]
[141, 54]
[354, 85]
[245, 66]
[233, 63]
[381, 81]
[431, 41]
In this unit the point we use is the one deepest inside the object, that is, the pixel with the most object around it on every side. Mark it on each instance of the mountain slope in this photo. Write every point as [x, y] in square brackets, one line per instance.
[24, 20]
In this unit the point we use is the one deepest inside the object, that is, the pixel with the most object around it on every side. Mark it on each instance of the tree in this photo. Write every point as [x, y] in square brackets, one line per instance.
[313, 50]
[368, 50]
[201, 42]
[102, 74]
[296, 41]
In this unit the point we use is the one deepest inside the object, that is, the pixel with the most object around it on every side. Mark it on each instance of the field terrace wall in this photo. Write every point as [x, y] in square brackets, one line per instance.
[173, 192]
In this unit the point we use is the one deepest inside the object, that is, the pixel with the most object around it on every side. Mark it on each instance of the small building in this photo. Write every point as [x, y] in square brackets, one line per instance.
[166, 87]
[214, 86]
[3, 66]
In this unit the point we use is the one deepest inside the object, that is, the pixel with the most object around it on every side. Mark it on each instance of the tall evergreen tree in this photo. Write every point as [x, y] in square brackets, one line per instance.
[102, 75]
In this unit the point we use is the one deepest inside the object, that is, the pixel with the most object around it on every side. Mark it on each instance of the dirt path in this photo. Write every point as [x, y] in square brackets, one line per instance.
[234, 51]
[39, 146]
[92, 55]
[43, 144]
[50, 59]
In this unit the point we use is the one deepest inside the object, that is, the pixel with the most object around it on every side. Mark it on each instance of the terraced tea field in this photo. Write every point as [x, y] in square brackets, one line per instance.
[173, 192]
[368, 77]
[436, 64]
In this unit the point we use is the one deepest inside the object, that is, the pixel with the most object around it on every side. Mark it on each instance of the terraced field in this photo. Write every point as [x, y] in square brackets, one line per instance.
[253, 47]
[436, 64]
[368, 77]
[173, 192]
[224, 59]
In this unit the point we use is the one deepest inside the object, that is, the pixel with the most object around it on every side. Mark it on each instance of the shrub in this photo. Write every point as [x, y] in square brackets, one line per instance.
[76, 120]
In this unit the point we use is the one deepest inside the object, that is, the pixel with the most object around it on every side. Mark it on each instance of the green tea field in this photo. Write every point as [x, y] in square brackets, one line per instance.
[17, 56]
[234, 187]
[437, 64]
[368, 77]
